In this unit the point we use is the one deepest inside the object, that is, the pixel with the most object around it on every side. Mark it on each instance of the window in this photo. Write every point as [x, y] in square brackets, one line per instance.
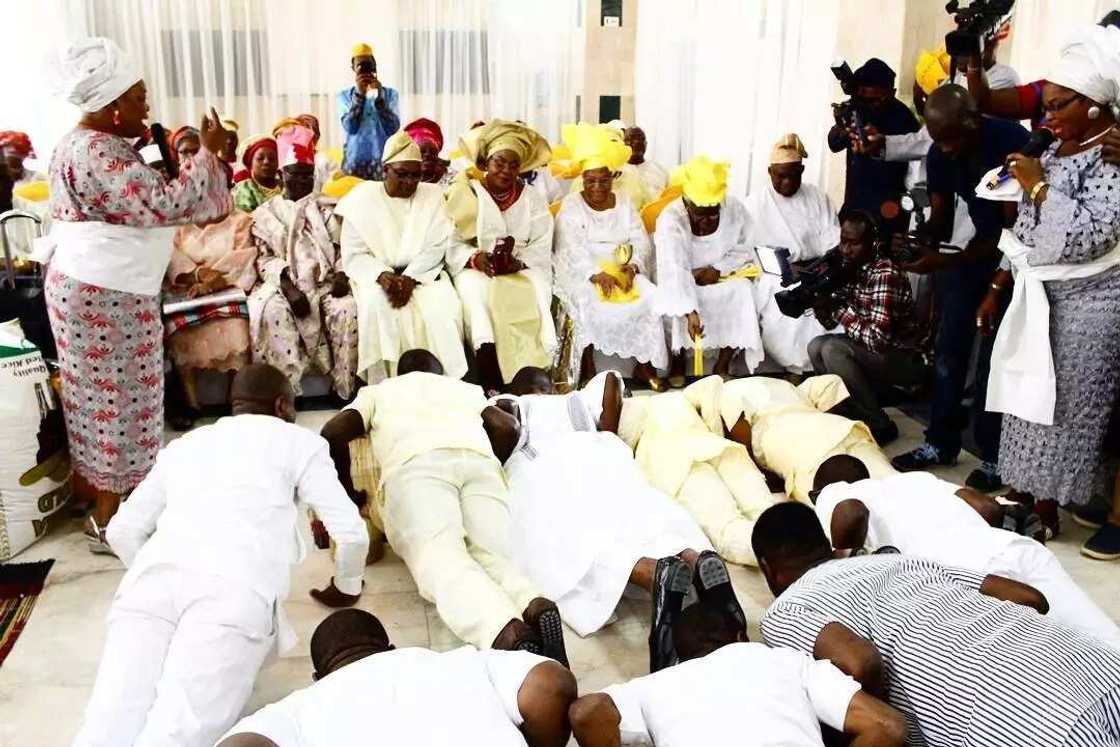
[611, 13]
[444, 61]
[610, 108]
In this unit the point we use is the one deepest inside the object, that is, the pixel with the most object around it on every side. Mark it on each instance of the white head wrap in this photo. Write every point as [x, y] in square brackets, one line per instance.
[91, 73]
[1089, 63]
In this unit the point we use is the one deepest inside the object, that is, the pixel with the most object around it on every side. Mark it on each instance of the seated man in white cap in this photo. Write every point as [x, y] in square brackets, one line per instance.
[674, 437]
[395, 236]
[443, 502]
[501, 252]
[799, 217]
[365, 685]
[790, 430]
[918, 514]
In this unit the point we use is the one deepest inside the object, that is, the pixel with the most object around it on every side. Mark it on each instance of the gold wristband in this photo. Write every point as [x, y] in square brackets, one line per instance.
[996, 287]
[1037, 189]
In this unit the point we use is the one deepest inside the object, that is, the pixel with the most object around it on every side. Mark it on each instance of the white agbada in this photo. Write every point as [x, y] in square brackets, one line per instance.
[922, 515]
[1022, 380]
[530, 224]
[582, 512]
[651, 175]
[585, 238]
[806, 225]
[209, 538]
[727, 308]
[743, 693]
[410, 236]
[405, 696]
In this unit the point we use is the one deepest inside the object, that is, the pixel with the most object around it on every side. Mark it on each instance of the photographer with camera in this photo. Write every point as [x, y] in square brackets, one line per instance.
[966, 146]
[370, 114]
[882, 343]
[870, 181]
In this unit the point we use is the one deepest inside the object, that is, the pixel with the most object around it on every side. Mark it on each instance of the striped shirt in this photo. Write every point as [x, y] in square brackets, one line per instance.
[965, 669]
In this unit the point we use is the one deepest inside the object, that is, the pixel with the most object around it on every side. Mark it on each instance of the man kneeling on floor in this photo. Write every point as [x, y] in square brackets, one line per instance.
[369, 692]
[446, 508]
[728, 691]
[918, 514]
[209, 537]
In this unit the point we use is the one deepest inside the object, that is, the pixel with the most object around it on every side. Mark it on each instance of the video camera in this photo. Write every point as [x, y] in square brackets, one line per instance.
[816, 281]
[977, 20]
[912, 204]
[848, 114]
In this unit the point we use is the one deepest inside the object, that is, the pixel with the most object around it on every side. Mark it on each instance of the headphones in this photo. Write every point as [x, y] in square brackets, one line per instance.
[869, 220]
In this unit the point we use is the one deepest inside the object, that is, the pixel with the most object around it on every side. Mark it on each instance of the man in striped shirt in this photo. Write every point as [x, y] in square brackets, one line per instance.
[942, 645]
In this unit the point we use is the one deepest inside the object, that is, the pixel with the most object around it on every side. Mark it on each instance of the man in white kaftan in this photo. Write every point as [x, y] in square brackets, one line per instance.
[209, 537]
[650, 175]
[788, 429]
[395, 237]
[674, 440]
[799, 217]
[583, 515]
[922, 515]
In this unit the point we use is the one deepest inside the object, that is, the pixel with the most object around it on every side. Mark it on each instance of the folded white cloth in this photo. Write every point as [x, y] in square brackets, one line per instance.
[1007, 190]
[1022, 380]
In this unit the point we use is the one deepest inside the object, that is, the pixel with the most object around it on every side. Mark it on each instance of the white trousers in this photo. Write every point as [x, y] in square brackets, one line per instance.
[727, 519]
[181, 656]
[447, 516]
[1029, 562]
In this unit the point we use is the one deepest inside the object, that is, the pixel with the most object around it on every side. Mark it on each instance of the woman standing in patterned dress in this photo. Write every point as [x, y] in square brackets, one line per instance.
[1065, 256]
[108, 251]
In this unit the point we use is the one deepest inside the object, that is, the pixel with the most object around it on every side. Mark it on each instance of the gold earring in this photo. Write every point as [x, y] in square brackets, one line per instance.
[1094, 112]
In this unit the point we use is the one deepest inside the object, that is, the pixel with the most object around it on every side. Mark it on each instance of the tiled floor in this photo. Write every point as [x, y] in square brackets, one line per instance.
[45, 682]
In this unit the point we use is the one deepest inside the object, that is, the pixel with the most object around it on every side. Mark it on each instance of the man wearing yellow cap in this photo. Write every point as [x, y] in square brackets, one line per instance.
[603, 261]
[703, 248]
[790, 214]
[395, 235]
[370, 114]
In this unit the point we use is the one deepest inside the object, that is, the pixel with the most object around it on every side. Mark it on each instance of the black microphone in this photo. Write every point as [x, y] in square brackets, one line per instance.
[1037, 144]
[159, 137]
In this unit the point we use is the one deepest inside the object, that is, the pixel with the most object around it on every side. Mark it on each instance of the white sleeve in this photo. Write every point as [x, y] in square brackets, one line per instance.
[507, 671]
[358, 261]
[676, 288]
[319, 488]
[276, 722]
[137, 517]
[592, 393]
[364, 404]
[629, 699]
[909, 147]
[830, 691]
[741, 250]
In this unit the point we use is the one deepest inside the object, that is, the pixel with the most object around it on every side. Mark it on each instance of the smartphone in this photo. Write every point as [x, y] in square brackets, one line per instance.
[367, 67]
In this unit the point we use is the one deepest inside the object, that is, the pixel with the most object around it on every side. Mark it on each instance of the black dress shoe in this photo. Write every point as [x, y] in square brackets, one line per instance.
[671, 582]
[713, 586]
[543, 616]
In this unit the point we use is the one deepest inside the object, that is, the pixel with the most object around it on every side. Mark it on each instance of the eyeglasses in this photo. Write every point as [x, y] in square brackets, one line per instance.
[1053, 107]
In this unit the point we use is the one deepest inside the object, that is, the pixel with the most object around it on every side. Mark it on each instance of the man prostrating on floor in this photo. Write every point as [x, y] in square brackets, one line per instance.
[446, 508]
[368, 692]
[209, 537]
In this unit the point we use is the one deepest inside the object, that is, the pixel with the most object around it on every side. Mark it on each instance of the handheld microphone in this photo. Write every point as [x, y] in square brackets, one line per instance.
[159, 138]
[1039, 141]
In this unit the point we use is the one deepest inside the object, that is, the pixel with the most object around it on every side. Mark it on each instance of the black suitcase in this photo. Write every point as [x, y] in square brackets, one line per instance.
[21, 291]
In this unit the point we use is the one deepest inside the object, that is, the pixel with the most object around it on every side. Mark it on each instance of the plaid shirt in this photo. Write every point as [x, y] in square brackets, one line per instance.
[877, 310]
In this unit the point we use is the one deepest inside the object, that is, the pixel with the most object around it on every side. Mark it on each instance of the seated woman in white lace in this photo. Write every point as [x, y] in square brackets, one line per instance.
[603, 260]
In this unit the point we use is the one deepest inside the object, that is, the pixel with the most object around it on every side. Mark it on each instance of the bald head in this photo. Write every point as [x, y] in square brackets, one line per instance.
[953, 119]
[419, 360]
[344, 637]
[839, 468]
[531, 380]
[260, 389]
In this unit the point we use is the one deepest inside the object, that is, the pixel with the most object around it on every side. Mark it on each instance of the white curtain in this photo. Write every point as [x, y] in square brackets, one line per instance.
[1040, 27]
[727, 79]
[454, 61]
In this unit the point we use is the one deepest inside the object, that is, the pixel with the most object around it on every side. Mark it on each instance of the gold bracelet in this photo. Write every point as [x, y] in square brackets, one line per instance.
[996, 287]
[1038, 189]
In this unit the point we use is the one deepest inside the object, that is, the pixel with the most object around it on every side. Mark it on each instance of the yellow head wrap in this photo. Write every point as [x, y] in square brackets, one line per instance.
[361, 50]
[340, 187]
[562, 165]
[400, 147]
[284, 124]
[595, 146]
[931, 69]
[788, 149]
[498, 134]
[231, 124]
[703, 180]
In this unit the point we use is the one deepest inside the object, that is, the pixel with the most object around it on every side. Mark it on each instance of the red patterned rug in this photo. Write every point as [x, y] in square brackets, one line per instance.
[20, 586]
